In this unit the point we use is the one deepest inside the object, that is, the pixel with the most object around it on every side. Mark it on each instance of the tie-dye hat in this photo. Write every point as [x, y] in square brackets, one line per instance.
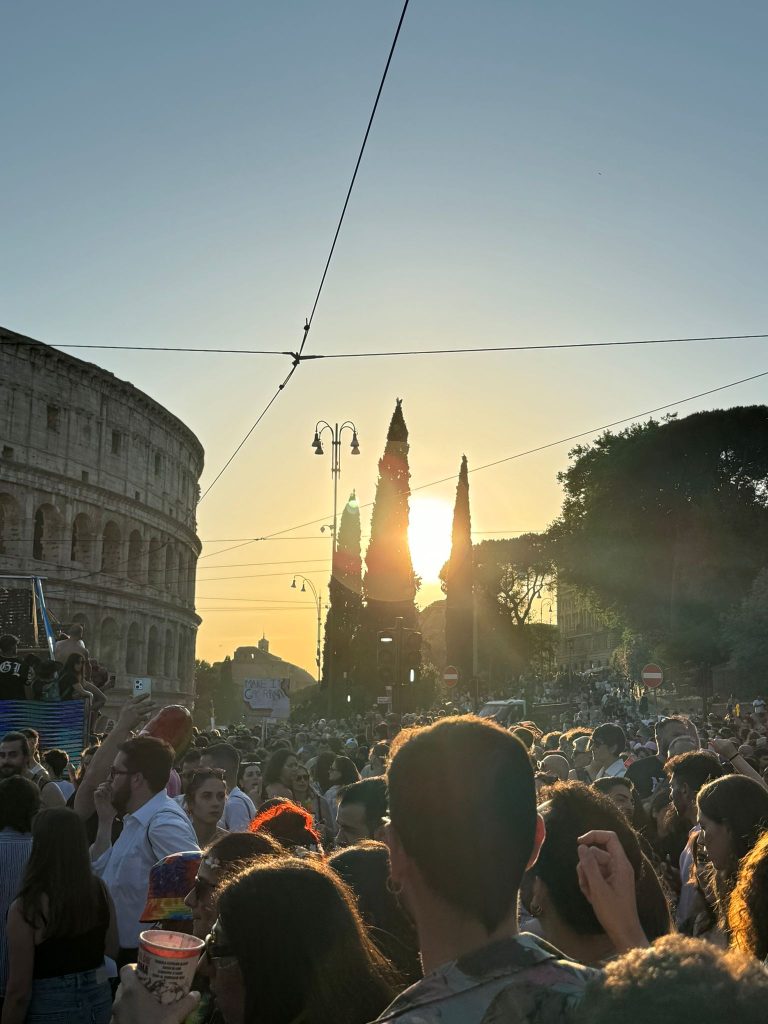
[169, 882]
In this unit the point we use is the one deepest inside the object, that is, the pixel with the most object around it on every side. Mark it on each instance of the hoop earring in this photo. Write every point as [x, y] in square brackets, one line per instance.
[536, 910]
[393, 888]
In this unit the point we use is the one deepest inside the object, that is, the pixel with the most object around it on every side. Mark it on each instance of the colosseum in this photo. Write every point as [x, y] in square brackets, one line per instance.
[98, 492]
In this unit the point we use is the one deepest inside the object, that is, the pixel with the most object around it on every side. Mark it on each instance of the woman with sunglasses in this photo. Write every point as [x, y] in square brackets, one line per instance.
[305, 796]
[228, 855]
[205, 799]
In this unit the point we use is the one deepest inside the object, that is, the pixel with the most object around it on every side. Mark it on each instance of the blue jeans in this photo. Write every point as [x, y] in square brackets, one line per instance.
[84, 998]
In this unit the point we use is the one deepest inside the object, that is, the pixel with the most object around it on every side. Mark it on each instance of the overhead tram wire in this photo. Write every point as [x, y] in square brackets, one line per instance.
[310, 319]
[468, 350]
[297, 356]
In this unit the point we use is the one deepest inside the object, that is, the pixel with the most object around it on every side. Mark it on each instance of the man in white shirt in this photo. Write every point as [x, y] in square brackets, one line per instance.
[154, 826]
[607, 744]
[239, 810]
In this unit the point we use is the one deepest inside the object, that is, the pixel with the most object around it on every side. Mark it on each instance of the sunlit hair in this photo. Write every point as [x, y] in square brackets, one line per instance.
[748, 906]
[288, 823]
[324, 969]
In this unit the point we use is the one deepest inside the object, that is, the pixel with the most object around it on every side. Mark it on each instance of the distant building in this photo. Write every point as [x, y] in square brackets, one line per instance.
[98, 494]
[585, 640]
[258, 663]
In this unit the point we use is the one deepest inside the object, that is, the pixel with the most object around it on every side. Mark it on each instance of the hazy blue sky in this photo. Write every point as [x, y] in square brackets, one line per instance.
[172, 173]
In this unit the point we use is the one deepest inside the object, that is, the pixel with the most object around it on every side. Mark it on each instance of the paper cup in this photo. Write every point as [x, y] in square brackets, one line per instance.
[167, 963]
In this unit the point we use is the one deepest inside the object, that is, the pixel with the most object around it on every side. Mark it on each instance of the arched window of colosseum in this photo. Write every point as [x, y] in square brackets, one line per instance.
[81, 619]
[110, 548]
[170, 569]
[9, 525]
[156, 562]
[134, 557]
[133, 650]
[109, 644]
[168, 654]
[191, 580]
[47, 534]
[181, 575]
[180, 654]
[82, 540]
[153, 652]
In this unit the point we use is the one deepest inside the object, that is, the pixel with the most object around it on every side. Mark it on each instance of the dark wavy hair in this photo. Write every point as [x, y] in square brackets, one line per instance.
[334, 974]
[739, 803]
[571, 810]
[273, 767]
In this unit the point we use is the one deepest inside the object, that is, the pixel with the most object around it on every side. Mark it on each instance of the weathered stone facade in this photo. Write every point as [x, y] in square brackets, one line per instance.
[586, 642]
[98, 492]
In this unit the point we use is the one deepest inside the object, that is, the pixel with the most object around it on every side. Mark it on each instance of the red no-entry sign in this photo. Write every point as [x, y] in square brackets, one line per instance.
[652, 676]
[451, 675]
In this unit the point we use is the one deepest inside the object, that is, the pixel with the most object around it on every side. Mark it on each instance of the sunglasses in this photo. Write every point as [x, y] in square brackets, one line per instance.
[220, 955]
[209, 773]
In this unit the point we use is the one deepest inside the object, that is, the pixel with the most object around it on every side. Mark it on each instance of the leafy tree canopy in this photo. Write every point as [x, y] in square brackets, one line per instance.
[666, 524]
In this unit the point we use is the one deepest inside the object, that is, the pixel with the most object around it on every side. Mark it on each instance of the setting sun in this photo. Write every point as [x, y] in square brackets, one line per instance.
[429, 534]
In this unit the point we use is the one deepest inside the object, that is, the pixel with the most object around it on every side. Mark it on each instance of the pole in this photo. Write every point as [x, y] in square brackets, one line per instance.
[335, 473]
[397, 682]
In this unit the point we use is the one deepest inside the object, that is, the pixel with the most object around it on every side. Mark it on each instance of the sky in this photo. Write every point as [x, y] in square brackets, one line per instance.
[537, 173]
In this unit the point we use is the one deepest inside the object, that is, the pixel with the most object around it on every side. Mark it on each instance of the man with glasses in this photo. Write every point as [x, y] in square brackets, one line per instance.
[154, 826]
[607, 744]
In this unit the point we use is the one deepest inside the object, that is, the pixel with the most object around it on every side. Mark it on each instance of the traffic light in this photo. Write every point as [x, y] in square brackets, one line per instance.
[386, 657]
[411, 656]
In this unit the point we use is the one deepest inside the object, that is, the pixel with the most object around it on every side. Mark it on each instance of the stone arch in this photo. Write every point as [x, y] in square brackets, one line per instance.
[109, 644]
[135, 568]
[180, 654]
[181, 575]
[81, 549]
[191, 579]
[111, 543]
[168, 664]
[153, 651]
[170, 568]
[133, 650]
[46, 539]
[156, 562]
[81, 619]
[10, 518]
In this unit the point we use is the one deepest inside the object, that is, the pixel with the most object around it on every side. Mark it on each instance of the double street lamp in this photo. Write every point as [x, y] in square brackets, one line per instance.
[336, 432]
[319, 605]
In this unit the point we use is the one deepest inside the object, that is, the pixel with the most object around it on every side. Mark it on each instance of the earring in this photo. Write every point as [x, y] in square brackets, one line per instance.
[536, 910]
[393, 888]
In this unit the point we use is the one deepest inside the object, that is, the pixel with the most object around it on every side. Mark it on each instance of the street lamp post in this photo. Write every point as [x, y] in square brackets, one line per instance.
[319, 606]
[317, 443]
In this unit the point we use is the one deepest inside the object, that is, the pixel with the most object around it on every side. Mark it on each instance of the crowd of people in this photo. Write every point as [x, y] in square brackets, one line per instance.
[437, 869]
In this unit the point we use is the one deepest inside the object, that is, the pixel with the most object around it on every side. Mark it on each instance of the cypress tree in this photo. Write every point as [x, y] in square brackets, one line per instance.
[345, 603]
[457, 583]
[389, 584]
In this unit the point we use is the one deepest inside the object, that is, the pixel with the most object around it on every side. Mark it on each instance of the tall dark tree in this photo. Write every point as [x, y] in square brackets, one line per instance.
[666, 525]
[457, 583]
[345, 603]
[389, 583]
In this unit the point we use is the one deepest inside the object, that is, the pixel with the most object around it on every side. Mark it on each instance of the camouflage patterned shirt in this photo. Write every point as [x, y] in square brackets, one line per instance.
[520, 980]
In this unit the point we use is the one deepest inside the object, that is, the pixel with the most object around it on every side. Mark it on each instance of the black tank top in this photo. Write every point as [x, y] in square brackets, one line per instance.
[72, 954]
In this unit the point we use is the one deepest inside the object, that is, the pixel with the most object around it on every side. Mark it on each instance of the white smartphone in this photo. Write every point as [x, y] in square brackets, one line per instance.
[142, 686]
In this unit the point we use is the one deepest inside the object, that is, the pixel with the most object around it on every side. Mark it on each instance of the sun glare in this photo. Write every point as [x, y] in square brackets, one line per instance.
[429, 534]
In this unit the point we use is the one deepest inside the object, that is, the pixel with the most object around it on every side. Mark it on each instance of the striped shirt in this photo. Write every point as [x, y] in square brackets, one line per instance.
[15, 848]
